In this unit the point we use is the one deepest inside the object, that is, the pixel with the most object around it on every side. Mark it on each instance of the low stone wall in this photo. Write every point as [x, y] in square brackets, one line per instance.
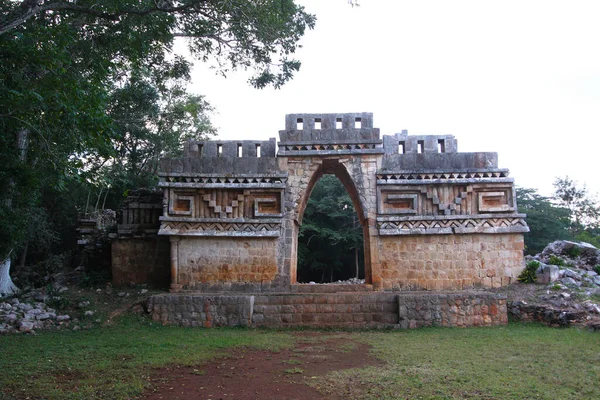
[335, 310]
[201, 310]
[452, 309]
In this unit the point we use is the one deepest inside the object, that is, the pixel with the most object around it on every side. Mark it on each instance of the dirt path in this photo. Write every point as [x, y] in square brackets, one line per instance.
[251, 374]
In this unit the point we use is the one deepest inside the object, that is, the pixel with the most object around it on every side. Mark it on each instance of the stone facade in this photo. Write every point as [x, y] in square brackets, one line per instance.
[432, 218]
[348, 310]
[450, 262]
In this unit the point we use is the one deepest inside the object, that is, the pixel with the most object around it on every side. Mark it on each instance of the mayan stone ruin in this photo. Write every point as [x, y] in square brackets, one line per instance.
[433, 219]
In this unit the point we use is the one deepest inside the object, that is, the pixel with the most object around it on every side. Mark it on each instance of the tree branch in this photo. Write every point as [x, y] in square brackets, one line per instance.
[31, 12]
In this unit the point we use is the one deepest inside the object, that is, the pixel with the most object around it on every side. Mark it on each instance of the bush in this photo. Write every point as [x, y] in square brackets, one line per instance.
[597, 269]
[573, 252]
[528, 275]
[554, 260]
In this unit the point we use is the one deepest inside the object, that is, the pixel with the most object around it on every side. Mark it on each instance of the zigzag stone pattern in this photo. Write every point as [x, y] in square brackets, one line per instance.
[512, 224]
[182, 228]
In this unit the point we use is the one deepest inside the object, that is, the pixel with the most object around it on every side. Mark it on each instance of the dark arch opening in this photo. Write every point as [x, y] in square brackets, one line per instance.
[333, 237]
[330, 241]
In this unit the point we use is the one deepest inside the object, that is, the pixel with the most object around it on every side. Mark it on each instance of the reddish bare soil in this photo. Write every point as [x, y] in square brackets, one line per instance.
[253, 374]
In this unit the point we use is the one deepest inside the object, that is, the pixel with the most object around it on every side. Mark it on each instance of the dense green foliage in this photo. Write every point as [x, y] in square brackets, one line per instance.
[91, 95]
[331, 238]
[547, 222]
[571, 214]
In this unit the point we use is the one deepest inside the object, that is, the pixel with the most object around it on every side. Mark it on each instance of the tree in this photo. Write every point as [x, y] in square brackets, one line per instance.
[152, 114]
[547, 221]
[584, 208]
[330, 239]
[59, 61]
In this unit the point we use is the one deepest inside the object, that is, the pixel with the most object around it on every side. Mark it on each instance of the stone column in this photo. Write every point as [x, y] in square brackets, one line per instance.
[175, 286]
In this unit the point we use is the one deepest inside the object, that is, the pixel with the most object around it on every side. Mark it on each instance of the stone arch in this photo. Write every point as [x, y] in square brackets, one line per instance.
[342, 169]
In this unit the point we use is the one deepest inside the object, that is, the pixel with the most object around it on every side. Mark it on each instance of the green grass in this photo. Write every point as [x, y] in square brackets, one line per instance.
[117, 362]
[512, 362]
[112, 362]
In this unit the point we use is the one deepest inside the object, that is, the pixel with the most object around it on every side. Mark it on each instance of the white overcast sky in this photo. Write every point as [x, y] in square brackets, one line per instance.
[519, 77]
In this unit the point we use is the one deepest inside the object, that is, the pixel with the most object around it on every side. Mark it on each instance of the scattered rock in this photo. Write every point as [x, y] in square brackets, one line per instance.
[143, 291]
[570, 282]
[121, 294]
[42, 316]
[16, 316]
[83, 304]
[88, 313]
[25, 326]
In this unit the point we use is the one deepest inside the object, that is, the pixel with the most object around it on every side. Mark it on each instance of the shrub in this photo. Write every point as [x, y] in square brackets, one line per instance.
[597, 269]
[573, 252]
[554, 260]
[528, 275]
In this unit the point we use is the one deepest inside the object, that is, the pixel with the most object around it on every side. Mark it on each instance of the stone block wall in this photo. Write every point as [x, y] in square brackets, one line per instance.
[141, 261]
[349, 310]
[450, 262]
[201, 310]
[335, 310]
[452, 309]
[219, 263]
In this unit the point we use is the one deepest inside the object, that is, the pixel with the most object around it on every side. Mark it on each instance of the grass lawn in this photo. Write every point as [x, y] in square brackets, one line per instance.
[516, 361]
[112, 362]
[512, 362]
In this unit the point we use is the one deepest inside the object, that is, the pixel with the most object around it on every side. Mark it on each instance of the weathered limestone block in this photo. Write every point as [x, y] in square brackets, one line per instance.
[450, 262]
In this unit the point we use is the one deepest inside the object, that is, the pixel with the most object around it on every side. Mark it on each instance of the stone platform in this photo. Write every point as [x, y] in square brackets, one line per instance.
[358, 309]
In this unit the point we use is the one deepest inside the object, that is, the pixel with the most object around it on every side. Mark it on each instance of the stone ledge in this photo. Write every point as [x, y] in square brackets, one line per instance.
[335, 310]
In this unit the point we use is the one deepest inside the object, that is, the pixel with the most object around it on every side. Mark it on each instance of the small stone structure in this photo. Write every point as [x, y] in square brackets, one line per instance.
[432, 218]
[138, 254]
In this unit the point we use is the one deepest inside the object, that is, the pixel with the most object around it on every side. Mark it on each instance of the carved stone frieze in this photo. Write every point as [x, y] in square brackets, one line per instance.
[220, 228]
[514, 223]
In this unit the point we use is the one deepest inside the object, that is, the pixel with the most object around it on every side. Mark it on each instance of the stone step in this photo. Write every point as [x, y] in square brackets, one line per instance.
[329, 288]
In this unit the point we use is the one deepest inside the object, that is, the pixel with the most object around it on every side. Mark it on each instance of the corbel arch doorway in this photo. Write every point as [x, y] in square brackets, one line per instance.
[333, 166]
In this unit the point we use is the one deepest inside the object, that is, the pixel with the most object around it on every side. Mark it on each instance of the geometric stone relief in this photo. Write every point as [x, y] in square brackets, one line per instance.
[180, 204]
[429, 199]
[383, 178]
[396, 202]
[224, 203]
[483, 224]
[494, 201]
[201, 181]
[184, 228]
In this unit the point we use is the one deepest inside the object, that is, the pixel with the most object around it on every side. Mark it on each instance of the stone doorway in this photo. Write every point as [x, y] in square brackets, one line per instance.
[334, 171]
[330, 240]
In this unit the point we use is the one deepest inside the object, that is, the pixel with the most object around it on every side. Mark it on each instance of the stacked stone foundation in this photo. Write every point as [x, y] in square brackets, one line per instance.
[333, 310]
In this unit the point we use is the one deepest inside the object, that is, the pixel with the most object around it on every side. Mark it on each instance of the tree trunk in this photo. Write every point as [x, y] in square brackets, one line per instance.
[7, 287]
